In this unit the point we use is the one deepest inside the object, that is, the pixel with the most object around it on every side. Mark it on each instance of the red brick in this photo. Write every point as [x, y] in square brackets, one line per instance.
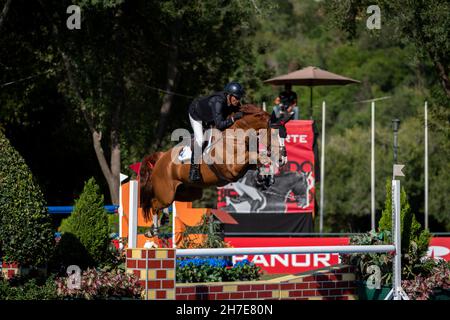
[323, 292]
[301, 285]
[309, 278]
[171, 254]
[11, 273]
[287, 286]
[243, 288]
[154, 284]
[256, 287]
[161, 274]
[129, 253]
[160, 294]
[335, 292]
[295, 293]
[150, 254]
[272, 286]
[222, 296]
[178, 290]
[348, 291]
[330, 277]
[210, 296]
[168, 284]
[187, 289]
[236, 295]
[141, 283]
[168, 264]
[131, 263]
[141, 264]
[250, 295]
[342, 284]
[265, 294]
[137, 273]
[201, 289]
[314, 285]
[309, 293]
[328, 284]
[154, 264]
[215, 289]
[181, 297]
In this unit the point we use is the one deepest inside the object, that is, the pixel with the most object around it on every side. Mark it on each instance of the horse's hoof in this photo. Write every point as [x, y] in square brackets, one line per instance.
[151, 233]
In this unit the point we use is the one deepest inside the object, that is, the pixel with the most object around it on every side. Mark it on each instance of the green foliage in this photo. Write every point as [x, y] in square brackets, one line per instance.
[215, 270]
[26, 234]
[85, 239]
[28, 289]
[95, 284]
[414, 240]
[414, 244]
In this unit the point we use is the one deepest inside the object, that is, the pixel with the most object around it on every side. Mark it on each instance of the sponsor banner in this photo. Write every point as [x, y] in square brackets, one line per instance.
[296, 263]
[293, 187]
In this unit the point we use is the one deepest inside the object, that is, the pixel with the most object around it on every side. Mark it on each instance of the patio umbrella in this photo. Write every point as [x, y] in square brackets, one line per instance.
[311, 76]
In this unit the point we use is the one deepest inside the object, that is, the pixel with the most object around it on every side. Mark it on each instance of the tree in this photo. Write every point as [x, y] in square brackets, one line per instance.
[26, 233]
[423, 23]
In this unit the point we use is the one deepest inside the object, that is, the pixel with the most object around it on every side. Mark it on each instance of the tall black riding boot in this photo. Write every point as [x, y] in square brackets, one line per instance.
[194, 172]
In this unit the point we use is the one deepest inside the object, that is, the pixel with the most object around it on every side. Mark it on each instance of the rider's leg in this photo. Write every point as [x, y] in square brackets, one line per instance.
[194, 173]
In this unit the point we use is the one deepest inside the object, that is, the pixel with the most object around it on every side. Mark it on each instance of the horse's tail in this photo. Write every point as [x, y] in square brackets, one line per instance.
[145, 182]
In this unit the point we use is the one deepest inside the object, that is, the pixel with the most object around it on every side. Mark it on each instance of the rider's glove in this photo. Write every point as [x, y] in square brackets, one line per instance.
[237, 115]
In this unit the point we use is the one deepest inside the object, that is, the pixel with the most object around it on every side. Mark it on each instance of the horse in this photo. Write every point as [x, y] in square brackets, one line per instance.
[163, 181]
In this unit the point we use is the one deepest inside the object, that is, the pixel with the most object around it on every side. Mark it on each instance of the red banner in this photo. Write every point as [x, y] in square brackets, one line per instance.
[299, 146]
[296, 263]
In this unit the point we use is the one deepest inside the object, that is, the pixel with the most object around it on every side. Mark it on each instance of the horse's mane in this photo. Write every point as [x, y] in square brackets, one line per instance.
[250, 108]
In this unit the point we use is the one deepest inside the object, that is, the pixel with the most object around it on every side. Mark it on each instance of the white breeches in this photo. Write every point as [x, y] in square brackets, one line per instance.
[198, 131]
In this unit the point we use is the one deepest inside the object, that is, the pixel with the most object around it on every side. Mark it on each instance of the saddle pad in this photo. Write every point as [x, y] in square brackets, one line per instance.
[185, 154]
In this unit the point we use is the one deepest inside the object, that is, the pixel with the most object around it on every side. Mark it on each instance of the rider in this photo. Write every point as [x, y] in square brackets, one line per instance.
[213, 110]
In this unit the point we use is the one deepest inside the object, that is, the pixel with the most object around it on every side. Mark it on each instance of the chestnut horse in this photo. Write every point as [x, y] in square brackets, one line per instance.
[163, 181]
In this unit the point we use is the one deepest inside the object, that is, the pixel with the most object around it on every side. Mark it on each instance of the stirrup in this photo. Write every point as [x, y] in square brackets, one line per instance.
[194, 173]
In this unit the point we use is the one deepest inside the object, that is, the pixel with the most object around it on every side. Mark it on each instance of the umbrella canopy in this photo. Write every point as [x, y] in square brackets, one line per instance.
[311, 76]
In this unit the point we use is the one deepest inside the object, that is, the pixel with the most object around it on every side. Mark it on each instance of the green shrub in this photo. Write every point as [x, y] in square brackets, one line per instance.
[26, 234]
[215, 270]
[28, 289]
[85, 239]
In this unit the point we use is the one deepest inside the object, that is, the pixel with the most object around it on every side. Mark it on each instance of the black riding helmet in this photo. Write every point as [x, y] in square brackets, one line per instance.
[235, 89]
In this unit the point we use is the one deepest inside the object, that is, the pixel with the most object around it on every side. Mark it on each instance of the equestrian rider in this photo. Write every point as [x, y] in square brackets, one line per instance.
[213, 110]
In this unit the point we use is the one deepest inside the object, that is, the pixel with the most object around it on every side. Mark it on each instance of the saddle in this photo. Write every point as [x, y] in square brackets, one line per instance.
[185, 154]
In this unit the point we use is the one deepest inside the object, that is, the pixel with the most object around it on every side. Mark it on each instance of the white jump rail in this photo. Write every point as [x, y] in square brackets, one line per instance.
[286, 250]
